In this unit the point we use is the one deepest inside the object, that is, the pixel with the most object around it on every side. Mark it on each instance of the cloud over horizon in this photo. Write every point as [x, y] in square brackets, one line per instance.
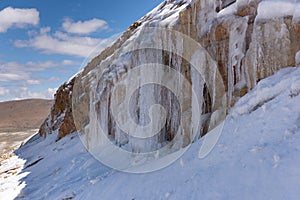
[25, 93]
[3, 91]
[16, 71]
[16, 79]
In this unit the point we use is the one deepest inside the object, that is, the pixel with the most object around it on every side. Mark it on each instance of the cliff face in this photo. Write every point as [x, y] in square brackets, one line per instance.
[60, 117]
[238, 46]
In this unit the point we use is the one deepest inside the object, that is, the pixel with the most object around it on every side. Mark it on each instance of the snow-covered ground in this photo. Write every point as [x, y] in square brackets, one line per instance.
[256, 157]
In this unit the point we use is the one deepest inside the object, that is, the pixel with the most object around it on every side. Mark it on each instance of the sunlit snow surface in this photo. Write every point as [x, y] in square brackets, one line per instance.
[257, 156]
[10, 178]
[275, 9]
[268, 9]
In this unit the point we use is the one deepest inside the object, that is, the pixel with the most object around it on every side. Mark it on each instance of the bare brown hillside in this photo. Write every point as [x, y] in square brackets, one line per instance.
[22, 115]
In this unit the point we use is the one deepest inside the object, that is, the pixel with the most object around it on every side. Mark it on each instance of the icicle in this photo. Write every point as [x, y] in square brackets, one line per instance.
[236, 53]
[189, 22]
[195, 15]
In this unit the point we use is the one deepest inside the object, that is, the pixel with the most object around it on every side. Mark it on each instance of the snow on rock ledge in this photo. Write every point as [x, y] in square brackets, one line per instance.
[285, 81]
[278, 9]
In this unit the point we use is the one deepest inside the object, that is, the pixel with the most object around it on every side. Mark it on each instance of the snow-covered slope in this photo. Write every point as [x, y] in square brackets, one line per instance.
[256, 157]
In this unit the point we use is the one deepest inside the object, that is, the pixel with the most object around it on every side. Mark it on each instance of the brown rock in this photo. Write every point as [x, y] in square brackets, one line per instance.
[134, 25]
[250, 9]
[221, 33]
[61, 117]
[244, 11]
[297, 30]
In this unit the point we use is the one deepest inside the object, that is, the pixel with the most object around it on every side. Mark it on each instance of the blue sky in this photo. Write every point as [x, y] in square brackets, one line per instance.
[43, 43]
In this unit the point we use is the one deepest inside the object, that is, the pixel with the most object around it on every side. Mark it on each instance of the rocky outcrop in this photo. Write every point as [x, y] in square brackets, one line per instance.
[61, 117]
[243, 47]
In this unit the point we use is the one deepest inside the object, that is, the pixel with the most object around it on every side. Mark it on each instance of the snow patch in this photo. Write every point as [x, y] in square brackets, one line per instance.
[230, 10]
[284, 82]
[11, 183]
[295, 88]
[278, 9]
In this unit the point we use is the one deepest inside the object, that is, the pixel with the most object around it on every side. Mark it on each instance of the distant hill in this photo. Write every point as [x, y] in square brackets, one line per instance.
[22, 115]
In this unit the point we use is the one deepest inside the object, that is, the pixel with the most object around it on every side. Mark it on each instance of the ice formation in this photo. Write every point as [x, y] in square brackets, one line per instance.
[230, 56]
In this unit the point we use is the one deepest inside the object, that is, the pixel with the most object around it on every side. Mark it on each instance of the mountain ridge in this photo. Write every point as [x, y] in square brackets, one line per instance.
[20, 115]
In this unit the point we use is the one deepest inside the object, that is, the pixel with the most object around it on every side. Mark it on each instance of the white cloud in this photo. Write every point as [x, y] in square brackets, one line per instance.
[53, 79]
[84, 27]
[33, 82]
[69, 62]
[62, 43]
[38, 66]
[16, 17]
[11, 69]
[45, 30]
[18, 79]
[25, 93]
[6, 77]
[50, 92]
[3, 91]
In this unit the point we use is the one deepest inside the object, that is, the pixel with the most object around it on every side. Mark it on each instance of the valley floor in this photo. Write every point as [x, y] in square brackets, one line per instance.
[10, 141]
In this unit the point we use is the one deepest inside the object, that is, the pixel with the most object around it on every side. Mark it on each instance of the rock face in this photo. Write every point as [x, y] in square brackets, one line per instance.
[237, 47]
[61, 117]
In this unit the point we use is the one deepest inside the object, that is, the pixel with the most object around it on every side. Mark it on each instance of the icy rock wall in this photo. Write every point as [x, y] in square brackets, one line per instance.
[242, 47]
[170, 87]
